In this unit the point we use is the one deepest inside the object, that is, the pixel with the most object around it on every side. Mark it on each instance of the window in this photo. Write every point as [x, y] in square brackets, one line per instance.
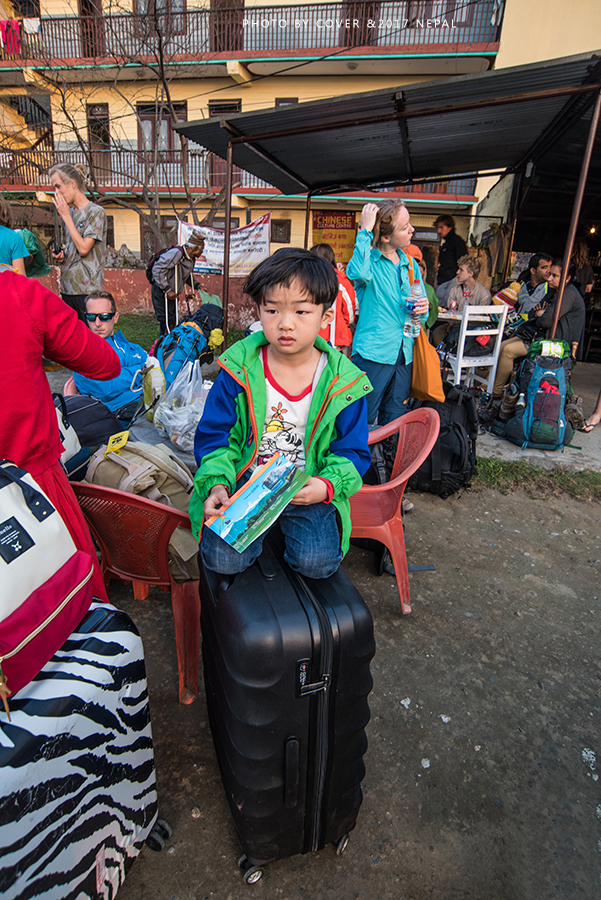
[226, 31]
[110, 231]
[224, 107]
[286, 101]
[91, 26]
[219, 224]
[154, 127]
[164, 16]
[280, 231]
[217, 165]
[148, 242]
[99, 139]
[362, 11]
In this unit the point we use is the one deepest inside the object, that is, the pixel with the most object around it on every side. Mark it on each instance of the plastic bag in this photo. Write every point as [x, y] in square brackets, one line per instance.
[179, 411]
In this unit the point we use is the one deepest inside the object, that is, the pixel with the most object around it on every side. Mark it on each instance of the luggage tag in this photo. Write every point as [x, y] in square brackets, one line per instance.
[116, 443]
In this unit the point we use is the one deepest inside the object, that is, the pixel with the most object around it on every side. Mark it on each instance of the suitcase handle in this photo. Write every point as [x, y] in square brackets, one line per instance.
[292, 760]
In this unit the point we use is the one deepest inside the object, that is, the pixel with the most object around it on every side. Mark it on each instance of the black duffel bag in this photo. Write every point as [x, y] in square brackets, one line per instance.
[93, 422]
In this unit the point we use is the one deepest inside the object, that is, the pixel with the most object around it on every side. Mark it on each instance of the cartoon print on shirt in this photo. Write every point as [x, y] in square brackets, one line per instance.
[280, 435]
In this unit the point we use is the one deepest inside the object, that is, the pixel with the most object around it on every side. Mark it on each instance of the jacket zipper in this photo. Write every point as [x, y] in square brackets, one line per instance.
[47, 621]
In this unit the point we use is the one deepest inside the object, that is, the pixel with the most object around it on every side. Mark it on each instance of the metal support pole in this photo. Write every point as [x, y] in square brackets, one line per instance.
[515, 205]
[307, 216]
[567, 253]
[226, 239]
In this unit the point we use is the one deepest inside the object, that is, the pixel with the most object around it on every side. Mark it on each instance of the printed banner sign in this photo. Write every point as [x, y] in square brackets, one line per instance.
[248, 246]
[337, 229]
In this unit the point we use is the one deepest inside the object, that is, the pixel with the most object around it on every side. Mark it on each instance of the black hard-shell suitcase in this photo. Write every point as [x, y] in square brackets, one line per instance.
[287, 678]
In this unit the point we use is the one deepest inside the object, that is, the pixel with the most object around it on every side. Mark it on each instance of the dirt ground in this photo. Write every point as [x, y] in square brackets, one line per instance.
[482, 779]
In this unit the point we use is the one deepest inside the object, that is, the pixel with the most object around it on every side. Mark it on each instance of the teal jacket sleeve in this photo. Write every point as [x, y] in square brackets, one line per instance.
[359, 265]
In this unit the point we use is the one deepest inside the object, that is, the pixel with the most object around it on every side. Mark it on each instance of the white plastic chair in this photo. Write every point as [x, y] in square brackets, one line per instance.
[472, 324]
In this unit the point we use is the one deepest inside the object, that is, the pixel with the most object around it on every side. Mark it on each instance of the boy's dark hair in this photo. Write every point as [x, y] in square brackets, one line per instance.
[102, 295]
[316, 276]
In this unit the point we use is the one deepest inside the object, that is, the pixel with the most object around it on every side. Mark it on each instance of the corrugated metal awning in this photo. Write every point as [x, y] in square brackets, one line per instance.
[450, 126]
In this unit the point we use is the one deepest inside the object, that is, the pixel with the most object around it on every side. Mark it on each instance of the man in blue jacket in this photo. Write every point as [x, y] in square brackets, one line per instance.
[122, 394]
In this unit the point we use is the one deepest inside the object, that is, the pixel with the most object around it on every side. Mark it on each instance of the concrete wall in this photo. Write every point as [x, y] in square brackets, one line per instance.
[131, 291]
[537, 31]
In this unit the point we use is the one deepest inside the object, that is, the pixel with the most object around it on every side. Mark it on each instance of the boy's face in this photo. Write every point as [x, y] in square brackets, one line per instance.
[290, 320]
[463, 274]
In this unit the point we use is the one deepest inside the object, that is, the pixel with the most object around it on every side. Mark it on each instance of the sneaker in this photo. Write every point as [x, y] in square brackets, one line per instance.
[406, 506]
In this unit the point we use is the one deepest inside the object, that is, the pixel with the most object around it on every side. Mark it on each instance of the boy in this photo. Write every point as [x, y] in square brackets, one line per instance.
[283, 388]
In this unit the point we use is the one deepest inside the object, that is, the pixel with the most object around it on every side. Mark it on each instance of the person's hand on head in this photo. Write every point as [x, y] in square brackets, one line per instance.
[369, 214]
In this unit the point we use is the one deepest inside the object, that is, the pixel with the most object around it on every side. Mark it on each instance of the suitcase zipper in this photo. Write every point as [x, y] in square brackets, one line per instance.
[4, 689]
[320, 687]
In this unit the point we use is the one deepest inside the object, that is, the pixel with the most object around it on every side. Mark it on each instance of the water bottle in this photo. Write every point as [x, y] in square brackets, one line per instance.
[412, 325]
[521, 403]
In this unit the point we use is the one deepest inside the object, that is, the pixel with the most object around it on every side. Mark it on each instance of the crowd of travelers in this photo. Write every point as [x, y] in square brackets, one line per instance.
[299, 395]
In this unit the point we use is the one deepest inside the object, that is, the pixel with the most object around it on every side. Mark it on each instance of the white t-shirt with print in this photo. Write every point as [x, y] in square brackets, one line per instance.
[286, 417]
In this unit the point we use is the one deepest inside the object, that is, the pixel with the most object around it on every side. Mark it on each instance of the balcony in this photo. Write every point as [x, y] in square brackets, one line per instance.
[368, 26]
[119, 170]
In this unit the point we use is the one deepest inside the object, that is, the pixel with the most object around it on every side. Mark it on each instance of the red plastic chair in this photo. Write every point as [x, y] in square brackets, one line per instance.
[69, 389]
[133, 534]
[376, 509]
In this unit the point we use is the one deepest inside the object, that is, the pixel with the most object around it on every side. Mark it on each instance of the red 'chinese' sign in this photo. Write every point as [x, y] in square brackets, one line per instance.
[337, 229]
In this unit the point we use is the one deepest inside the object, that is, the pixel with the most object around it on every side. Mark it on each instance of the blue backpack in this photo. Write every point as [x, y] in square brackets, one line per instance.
[543, 380]
[185, 342]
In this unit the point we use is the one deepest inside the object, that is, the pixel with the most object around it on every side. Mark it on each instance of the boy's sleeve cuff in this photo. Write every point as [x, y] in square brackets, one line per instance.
[330, 488]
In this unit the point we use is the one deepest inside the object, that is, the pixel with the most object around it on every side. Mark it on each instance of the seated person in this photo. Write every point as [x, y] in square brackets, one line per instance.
[297, 395]
[338, 332]
[122, 394]
[570, 326]
[534, 282]
[467, 292]
[431, 294]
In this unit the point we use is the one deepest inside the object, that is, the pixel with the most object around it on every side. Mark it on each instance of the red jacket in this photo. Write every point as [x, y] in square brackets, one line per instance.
[36, 322]
[345, 314]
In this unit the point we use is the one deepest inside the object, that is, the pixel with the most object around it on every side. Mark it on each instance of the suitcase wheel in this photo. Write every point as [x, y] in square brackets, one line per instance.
[161, 831]
[341, 844]
[252, 874]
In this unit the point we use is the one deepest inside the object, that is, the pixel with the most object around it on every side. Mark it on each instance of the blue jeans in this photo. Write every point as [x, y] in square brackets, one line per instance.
[311, 538]
[391, 386]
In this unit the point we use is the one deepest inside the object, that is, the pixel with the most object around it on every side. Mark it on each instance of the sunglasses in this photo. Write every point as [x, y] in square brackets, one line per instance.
[104, 317]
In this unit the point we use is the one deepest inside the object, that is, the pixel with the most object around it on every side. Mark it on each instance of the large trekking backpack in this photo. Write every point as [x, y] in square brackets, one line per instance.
[185, 342]
[543, 379]
[452, 463]
[154, 258]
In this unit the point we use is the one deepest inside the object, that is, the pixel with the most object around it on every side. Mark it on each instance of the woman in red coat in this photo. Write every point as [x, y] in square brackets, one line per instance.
[37, 323]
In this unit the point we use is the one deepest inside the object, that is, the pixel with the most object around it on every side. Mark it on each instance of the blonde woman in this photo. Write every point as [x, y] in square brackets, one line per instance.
[83, 259]
[379, 268]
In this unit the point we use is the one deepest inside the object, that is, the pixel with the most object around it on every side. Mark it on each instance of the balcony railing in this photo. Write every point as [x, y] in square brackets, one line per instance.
[400, 27]
[119, 169]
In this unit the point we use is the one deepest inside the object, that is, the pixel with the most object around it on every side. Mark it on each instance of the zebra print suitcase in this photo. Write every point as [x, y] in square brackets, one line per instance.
[77, 780]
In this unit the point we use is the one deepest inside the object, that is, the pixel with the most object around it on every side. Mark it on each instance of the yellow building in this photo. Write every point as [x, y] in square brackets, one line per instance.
[99, 83]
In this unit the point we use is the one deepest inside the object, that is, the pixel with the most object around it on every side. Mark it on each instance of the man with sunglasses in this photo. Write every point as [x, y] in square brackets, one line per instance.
[122, 394]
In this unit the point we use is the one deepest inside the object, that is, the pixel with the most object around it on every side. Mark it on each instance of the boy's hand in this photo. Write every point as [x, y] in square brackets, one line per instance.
[217, 498]
[314, 491]
[369, 214]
